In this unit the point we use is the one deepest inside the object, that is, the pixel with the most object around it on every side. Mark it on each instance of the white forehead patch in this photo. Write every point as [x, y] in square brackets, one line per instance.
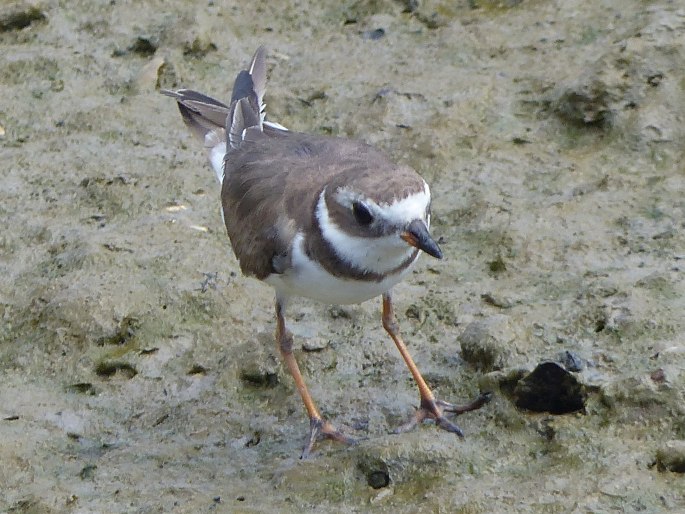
[410, 208]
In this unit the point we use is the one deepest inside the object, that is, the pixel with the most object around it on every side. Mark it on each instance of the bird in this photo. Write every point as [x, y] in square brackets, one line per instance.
[321, 217]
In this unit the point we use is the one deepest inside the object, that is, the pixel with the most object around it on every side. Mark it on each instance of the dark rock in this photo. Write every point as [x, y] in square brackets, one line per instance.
[550, 388]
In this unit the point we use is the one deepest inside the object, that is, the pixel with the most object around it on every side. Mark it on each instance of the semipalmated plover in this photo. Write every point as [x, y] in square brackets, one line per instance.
[325, 218]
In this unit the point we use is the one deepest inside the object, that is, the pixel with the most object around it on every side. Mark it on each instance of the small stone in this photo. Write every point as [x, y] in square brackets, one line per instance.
[497, 300]
[315, 344]
[671, 456]
[373, 35]
[258, 367]
[87, 472]
[504, 380]
[655, 79]
[486, 343]
[570, 360]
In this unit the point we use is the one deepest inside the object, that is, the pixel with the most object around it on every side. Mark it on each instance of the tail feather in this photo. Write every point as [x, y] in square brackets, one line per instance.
[258, 74]
[223, 127]
[243, 117]
[210, 108]
[203, 115]
[247, 100]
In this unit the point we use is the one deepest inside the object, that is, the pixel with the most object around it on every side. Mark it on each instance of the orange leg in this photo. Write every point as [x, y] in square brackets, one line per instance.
[430, 408]
[317, 425]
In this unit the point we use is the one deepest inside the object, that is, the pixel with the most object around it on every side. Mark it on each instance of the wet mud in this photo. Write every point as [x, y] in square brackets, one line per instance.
[138, 371]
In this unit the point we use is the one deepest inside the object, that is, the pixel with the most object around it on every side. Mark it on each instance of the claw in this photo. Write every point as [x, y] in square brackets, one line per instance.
[435, 409]
[446, 424]
[482, 399]
[320, 428]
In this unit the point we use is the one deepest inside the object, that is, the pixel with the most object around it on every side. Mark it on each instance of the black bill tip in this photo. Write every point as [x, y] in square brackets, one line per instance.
[417, 235]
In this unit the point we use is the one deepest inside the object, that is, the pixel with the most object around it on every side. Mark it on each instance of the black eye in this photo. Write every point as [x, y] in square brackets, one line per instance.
[361, 213]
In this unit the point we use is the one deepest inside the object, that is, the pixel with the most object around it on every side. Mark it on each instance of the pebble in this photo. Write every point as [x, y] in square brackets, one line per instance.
[570, 360]
[486, 343]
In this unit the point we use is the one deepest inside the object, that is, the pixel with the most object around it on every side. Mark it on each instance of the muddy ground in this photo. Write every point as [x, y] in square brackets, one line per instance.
[137, 367]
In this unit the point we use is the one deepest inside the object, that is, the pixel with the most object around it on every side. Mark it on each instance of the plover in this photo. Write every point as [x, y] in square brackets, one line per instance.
[325, 218]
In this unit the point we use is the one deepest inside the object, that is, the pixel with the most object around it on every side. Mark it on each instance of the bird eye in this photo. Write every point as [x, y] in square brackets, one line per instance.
[361, 213]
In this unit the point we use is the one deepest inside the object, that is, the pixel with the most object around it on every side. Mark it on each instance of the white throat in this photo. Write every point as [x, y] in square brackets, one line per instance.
[374, 254]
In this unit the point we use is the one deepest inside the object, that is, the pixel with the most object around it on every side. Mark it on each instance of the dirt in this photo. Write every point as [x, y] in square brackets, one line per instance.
[138, 371]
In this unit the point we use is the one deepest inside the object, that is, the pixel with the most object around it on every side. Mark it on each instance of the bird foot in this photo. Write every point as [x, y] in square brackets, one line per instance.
[321, 428]
[435, 410]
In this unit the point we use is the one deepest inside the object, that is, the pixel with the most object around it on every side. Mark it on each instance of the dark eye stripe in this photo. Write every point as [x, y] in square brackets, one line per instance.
[361, 213]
